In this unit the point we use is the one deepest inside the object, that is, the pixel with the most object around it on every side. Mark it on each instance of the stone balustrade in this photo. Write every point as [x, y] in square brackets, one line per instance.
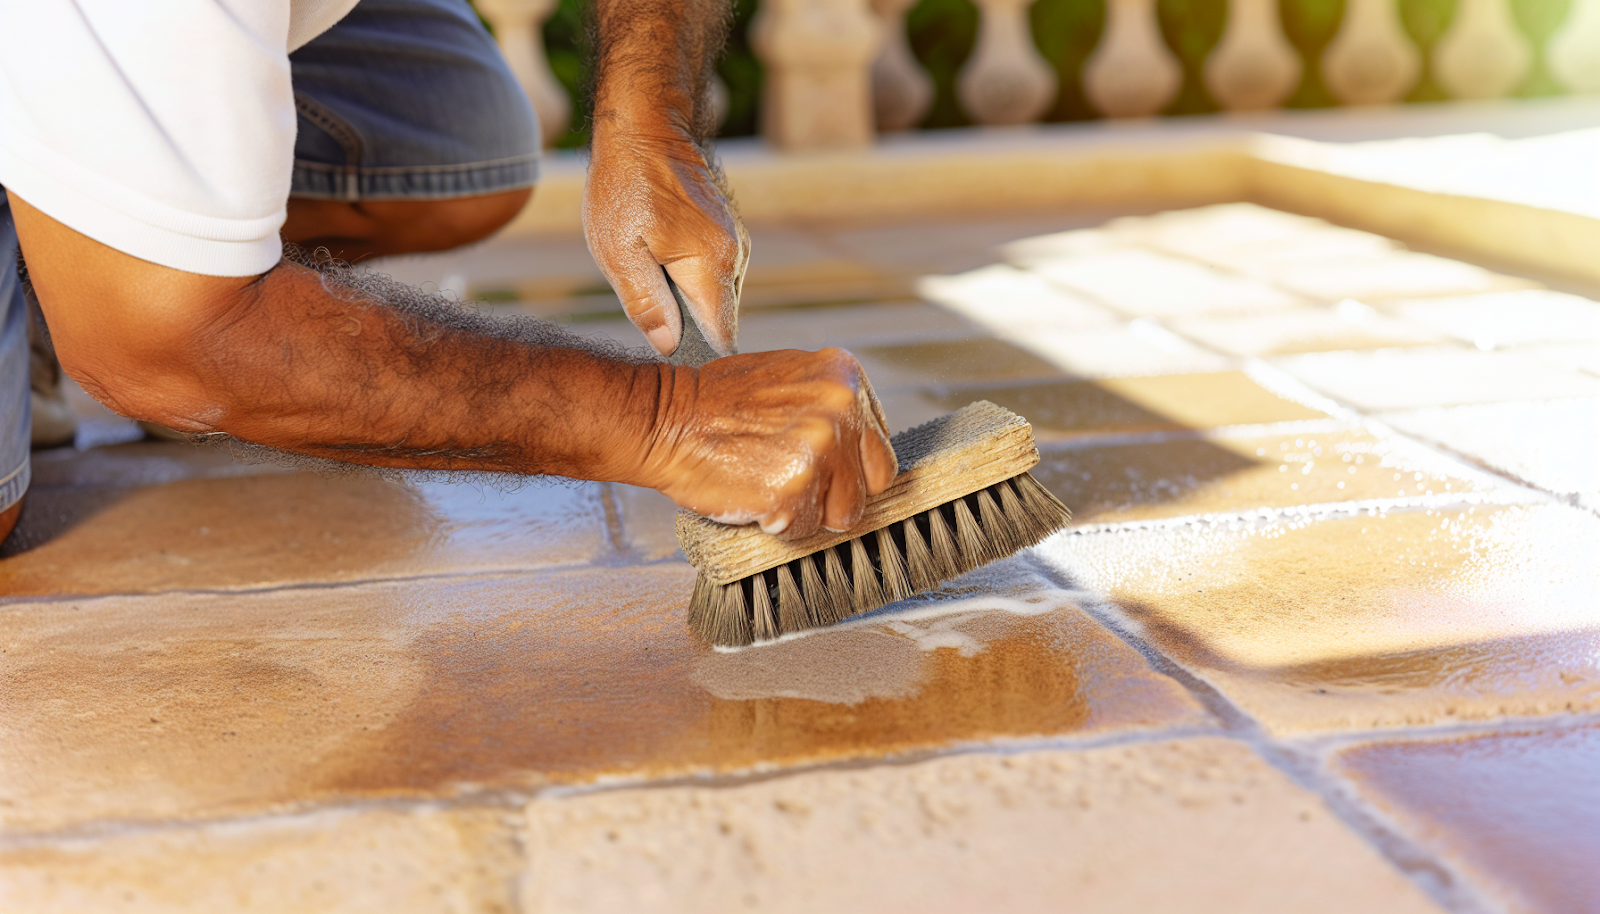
[839, 71]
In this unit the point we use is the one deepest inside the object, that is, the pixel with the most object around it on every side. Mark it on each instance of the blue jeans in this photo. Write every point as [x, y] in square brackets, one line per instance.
[402, 100]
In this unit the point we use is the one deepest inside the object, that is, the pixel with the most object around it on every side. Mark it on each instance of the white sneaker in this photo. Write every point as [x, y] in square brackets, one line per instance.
[54, 422]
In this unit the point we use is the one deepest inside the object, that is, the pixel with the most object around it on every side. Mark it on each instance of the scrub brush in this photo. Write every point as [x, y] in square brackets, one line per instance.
[962, 498]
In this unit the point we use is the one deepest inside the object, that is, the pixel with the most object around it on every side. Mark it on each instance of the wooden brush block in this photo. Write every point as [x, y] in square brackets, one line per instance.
[940, 461]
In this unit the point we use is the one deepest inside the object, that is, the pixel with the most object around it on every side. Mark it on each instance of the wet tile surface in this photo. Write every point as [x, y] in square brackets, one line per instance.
[1122, 406]
[983, 359]
[1508, 318]
[200, 705]
[1162, 479]
[1368, 621]
[1552, 444]
[376, 860]
[1036, 831]
[272, 529]
[1519, 813]
[1131, 350]
[1405, 379]
[1353, 326]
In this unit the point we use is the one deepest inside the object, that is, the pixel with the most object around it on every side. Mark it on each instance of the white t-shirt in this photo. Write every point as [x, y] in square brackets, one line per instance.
[162, 128]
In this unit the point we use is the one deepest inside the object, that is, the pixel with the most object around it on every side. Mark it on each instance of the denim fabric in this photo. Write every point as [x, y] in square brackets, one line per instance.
[409, 99]
[403, 99]
[16, 404]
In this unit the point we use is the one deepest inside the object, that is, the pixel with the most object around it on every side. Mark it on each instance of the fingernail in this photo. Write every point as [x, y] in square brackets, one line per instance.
[775, 526]
[662, 339]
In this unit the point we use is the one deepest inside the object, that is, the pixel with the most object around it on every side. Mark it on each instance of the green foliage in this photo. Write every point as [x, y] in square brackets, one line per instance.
[1065, 32]
[1309, 26]
[942, 34]
[566, 43]
[1191, 29]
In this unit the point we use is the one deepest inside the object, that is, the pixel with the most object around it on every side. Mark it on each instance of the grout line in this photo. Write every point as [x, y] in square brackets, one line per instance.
[1433, 876]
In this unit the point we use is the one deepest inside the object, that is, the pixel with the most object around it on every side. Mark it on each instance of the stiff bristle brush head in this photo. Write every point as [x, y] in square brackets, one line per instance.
[962, 498]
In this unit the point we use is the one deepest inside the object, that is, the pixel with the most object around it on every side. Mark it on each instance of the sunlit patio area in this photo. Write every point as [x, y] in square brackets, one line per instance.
[1321, 389]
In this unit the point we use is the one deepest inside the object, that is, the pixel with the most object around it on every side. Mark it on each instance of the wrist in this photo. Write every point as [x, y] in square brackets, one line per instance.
[651, 422]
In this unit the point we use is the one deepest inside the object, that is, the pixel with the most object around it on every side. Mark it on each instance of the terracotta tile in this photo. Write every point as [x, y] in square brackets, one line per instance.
[1403, 379]
[1394, 274]
[288, 528]
[203, 705]
[1351, 326]
[372, 860]
[1553, 444]
[1502, 319]
[1004, 298]
[955, 361]
[1133, 482]
[1414, 617]
[1147, 284]
[1195, 825]
[1075, 409]
[1131, 350]
[1518, 812]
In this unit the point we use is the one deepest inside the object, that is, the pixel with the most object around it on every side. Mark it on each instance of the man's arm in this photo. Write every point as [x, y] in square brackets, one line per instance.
[655, 200]
[293, 360]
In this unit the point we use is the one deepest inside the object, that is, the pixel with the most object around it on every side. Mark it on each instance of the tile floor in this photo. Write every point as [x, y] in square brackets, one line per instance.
[1324, 634]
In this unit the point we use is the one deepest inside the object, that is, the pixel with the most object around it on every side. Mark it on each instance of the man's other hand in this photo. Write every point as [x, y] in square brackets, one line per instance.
[653, 201]
[790, 440]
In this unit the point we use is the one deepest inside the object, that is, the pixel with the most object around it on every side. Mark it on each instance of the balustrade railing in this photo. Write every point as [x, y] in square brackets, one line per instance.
[837, 72]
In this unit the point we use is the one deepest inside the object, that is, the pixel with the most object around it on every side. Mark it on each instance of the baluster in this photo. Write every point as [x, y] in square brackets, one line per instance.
[818, 56]
[1131, 73]
[902, 91]
[1370, 61]
[1482, 54]
[1006, 81]
[516, 27]
[1254, 66]
[1574, 50]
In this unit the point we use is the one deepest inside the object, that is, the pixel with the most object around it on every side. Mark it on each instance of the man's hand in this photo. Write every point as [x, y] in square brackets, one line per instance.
[790, 440]
[655, 204]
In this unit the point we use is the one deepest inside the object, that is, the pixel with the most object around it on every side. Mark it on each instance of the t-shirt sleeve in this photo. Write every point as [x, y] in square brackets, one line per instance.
[162, 128]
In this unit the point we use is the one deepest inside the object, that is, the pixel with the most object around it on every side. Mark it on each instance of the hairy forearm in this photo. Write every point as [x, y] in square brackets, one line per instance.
[384, 375]
[655, 60]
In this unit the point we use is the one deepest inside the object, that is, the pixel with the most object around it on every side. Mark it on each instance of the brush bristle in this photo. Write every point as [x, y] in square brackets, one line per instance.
[884, 566]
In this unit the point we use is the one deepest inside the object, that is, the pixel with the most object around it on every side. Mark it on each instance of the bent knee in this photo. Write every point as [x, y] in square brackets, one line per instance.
[382, 227]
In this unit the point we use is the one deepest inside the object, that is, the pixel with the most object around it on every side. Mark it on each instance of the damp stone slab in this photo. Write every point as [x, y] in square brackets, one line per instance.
[850, 326]
[1419, 617]
[1199, 825]
[1135, 349]
[1142, 283]
[1395, 379]
[1552, 444]
[425, 861]
[278, 529]
[1004, 299]
[1351, 325]
[1338, 276]
[1517, 812]
[1504, 319]
[178, 706]
[951, 362]
[1126, 483]
[1068, 410]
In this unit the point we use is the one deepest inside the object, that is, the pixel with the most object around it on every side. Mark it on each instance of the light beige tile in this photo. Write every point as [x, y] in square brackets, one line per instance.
[1146, 284]
[1418, 617]
[1394, 274]
[1244, 236]
[1502, 319]
[645, 520]
[1131, 350]
[1121, 406]
[1519, 813]
[1196, 825]
[190, 705]
[1391, 379]
[939, 245]
[374, 860]
[1240, 475]
[849, 326]
[272, 529]
[1350, 326]
[1005, 299]
[1566, 356]
[951, 362]
[1552, 444]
